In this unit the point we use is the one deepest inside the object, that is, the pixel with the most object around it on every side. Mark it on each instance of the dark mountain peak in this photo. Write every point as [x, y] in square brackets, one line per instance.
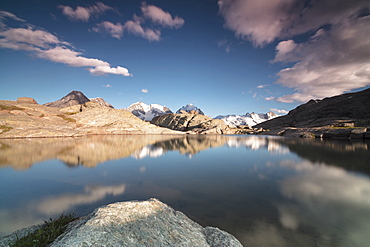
[73, 98]
[353, 107]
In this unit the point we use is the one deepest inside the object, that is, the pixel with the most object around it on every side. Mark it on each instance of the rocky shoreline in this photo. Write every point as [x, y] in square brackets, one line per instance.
[136, 223]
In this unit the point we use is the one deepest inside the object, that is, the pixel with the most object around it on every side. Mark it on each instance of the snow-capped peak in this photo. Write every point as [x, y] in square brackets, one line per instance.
[249, 119]
[147, 112]
[189, 108]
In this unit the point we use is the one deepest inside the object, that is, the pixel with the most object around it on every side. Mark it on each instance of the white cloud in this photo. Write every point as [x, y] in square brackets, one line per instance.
[284, 51]
[269, 98]
[5, 14]
[105, 69]
[280, 111]
[144, 90]
[133, 27]
[334, 60]
[28, 39]
[107, 85]
[159, 16]
[262, 86]
[47, 46]
[84, 13]
[69, 57]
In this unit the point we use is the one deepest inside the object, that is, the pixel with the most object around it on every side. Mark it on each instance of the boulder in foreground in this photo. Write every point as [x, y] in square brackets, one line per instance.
[144, 223]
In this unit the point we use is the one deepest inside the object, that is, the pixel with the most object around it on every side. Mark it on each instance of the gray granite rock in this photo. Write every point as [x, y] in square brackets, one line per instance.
[144, 223]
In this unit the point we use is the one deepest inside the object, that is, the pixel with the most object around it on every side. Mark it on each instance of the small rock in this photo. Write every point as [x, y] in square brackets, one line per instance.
[26, 100]
[357, 133]
[337, 133]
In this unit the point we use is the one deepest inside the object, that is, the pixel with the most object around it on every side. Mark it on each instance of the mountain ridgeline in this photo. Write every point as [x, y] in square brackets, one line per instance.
[147, 112]
[76, 98]
[350, 109]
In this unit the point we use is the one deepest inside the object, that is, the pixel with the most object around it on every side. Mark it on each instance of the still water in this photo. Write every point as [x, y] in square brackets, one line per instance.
[266, 191]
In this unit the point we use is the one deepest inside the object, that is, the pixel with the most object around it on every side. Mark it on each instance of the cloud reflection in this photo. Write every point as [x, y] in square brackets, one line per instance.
[60, 204]
[320, 198]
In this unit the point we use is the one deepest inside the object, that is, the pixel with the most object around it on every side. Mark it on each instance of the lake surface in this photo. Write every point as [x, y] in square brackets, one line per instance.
[266, 191]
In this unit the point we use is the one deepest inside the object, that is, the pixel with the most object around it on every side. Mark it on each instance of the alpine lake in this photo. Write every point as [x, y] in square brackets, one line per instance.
[266, 191]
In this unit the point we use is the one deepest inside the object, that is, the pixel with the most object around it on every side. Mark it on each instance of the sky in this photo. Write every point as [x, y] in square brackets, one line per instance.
[224, 56]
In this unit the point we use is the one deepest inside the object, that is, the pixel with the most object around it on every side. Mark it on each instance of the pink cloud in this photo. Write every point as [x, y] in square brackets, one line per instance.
[84, 13]
[159, 16]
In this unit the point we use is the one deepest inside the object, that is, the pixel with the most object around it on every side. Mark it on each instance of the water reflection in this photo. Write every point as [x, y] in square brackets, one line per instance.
[90, 194]
[267, 191]
[90, 151]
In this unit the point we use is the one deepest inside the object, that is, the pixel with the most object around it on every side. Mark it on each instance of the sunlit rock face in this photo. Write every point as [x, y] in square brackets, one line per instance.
[146, 223]
[197, 123]
[20, 120]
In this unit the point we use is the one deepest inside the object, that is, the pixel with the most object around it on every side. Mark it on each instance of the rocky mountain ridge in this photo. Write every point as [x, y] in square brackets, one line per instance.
[345, 116]
[190, 108]
[76, 98]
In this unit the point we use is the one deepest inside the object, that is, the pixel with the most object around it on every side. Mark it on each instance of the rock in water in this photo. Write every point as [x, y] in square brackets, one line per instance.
[145, 223]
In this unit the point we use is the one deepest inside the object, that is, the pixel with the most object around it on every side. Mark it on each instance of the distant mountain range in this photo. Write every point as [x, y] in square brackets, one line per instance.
[148, 112]
[249, 119]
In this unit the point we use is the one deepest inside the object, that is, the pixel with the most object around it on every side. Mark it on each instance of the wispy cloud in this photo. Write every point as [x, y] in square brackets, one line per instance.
[5, 14]
[107, 86]
[334, 60]
[161, 17]
[84, 13]
[136, 26]
[262, 86]
[224, 43]
[280, 111]
[144, 90]
[48, 46]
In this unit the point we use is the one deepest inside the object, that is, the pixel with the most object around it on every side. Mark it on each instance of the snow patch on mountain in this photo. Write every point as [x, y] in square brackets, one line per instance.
[189, 108]
[147, 112]
[249, 119]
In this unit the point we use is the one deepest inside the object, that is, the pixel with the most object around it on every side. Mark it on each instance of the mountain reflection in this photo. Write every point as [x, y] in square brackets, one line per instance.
[90, 151]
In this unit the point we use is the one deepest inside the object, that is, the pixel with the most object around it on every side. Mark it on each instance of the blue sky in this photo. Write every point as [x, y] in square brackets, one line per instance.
[224, 56]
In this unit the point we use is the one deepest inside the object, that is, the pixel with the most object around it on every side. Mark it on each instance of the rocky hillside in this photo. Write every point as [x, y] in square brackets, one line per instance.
[147, 112]
[342, 111]
[101, 101]
[196, 124]
[346, 108]
[18, 119]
